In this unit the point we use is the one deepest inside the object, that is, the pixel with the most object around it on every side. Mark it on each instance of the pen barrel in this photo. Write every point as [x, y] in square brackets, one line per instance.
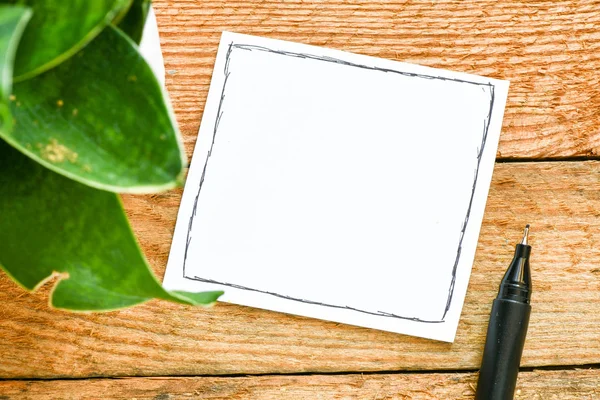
[503, 349]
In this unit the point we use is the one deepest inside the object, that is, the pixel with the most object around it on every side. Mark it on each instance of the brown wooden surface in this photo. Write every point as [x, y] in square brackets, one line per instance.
[561, 199]
[557, 385]
[549, 50]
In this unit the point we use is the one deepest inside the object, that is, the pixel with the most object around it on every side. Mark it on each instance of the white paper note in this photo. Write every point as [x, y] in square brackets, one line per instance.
[338, 186]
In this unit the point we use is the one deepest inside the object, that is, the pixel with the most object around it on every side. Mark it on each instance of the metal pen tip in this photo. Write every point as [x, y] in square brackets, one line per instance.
[525, 235]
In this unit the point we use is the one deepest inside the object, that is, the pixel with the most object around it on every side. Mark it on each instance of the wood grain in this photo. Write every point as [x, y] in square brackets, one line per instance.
[559, 385]
[561, 201]
[549, 50]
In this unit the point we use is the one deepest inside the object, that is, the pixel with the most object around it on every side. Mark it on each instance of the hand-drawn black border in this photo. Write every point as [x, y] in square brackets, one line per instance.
[486, 124]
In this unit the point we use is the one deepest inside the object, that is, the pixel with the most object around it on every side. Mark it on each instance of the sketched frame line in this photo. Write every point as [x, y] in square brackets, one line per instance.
[486, 125]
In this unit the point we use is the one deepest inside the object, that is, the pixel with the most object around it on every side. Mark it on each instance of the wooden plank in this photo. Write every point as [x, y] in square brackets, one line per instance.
[563, 385]
[560, 200]
[549, 50]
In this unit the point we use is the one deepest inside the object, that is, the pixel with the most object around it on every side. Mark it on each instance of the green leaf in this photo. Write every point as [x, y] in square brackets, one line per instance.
[100, 118]
[50, 224]
[12, 23]
[58, 29]
[133, 22]
[122, 12]
[13, 20]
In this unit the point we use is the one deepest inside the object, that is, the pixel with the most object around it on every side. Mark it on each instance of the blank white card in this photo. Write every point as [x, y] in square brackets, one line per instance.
[338, 186]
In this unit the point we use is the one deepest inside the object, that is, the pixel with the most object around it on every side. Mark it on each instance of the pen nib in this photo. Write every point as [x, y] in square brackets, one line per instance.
[525, 235]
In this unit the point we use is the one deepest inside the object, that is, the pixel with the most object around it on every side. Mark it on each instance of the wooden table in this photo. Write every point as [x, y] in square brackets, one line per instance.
[546, 174]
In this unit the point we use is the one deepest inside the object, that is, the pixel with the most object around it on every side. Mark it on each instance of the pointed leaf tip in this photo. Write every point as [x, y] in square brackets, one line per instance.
[102, 119]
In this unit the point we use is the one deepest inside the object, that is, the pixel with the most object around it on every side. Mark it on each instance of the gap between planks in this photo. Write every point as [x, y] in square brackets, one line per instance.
[564, 385]
[587, 367]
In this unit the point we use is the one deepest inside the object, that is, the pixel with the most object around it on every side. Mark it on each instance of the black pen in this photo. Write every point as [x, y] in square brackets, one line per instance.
[507, 329]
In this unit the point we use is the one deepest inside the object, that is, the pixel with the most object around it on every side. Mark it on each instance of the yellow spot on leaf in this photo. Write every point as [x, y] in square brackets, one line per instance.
[132, 78]
[87, 168]
[75, 112]
[60, 103]
[12, 97]
[57, 153]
